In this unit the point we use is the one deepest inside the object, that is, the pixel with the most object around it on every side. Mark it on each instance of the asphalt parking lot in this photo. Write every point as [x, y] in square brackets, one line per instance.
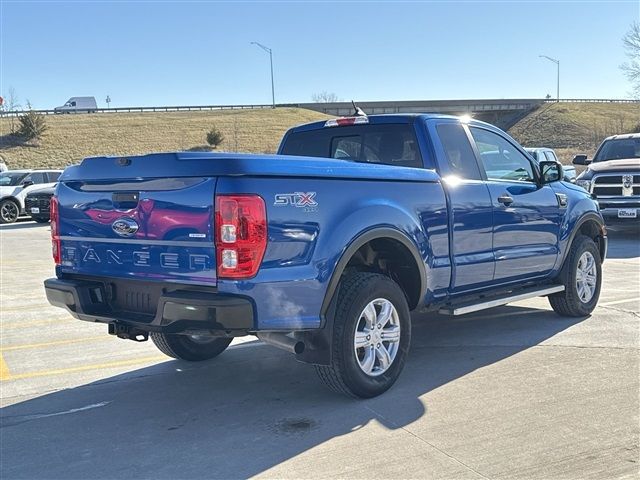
[513, 392]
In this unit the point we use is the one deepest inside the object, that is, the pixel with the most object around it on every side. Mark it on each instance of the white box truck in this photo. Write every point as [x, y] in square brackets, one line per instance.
[78, 105]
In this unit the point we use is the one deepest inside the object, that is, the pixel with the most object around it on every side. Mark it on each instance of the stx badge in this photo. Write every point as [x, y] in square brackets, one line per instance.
[304, 200]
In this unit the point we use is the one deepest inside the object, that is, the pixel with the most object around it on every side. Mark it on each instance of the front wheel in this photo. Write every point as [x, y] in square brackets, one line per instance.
[371, 336]
[581, 276]
[193, 348]
[9, 211]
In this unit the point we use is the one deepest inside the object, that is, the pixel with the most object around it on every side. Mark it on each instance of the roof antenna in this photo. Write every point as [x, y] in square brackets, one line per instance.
[357, 111]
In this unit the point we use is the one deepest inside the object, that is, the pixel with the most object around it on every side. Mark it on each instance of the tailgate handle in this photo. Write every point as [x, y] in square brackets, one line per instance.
[125, 199]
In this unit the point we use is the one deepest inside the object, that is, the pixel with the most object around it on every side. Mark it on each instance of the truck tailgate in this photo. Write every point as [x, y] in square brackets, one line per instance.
[158, 229]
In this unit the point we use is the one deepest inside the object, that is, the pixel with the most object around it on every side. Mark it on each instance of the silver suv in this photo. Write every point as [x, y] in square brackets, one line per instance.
[16, 184]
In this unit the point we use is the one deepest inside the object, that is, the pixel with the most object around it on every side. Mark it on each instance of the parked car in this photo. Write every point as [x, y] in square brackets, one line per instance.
[322, 257]
[78, 105]
[613, 176]
[37, 203]
[14, 187]
[541, 153]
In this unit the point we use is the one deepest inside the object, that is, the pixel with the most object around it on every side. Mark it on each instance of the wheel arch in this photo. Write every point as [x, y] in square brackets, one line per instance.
[379, 234]
[16, 200]
[318, 342]
[591, 225]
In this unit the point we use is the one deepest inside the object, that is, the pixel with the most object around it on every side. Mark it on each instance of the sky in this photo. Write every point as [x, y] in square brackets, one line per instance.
[156, 53]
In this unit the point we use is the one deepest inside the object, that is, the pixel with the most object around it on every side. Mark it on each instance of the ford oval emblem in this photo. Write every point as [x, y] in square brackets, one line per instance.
[125, 227]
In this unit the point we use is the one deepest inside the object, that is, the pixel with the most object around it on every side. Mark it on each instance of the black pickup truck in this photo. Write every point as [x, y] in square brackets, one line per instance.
[36, 203]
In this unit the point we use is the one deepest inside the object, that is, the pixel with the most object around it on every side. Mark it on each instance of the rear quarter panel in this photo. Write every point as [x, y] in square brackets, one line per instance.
[308, 235]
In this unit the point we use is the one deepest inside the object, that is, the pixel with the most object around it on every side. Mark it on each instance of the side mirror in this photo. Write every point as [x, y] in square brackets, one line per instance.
[27, 183]
[581, 160]
[550, 171]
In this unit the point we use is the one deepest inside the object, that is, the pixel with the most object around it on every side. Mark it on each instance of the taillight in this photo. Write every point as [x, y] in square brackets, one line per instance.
[241, 235]
[55, 230]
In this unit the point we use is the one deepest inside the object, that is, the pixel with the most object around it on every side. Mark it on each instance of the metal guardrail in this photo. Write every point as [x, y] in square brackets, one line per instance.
[177, 108]
[591, 100]
[190, 108]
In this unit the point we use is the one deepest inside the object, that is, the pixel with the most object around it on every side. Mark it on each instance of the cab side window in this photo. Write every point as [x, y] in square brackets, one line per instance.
[53, 176]
[550, 156]
[501, 159]
[458, 150]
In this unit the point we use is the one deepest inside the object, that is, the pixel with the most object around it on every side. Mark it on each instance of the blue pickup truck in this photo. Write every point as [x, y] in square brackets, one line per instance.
[325, 248]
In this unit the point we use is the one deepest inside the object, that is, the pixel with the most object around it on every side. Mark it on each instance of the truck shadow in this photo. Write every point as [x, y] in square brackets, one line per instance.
[247, 411]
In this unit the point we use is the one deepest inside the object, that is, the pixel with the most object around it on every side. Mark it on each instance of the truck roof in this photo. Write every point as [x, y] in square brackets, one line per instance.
[623, 136]
[392, 118]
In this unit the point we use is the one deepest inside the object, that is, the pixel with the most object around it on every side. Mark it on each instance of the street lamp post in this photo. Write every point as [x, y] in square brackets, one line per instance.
[557, 62]
[270, 52]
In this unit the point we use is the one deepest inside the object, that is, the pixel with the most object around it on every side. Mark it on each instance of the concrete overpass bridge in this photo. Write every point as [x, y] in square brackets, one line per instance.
[503, 113]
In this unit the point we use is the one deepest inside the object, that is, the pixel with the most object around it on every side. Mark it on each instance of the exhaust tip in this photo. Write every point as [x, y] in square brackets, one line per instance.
[298, 348]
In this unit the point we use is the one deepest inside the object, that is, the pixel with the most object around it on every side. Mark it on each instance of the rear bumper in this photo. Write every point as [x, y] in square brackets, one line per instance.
[177, 311]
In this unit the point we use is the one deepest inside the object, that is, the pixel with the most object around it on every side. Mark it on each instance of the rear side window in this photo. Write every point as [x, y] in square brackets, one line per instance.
[391, 144]
[458, 150]
[36, 177]
[53, 176]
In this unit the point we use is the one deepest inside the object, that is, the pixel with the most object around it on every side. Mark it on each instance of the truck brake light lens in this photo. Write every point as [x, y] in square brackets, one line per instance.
[339, 122]
[241, 235]
[55, 230]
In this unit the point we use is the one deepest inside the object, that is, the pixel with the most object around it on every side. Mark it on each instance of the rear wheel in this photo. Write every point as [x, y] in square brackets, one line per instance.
[581, 276]
[9, 211]
[193, 348]
[371, 336]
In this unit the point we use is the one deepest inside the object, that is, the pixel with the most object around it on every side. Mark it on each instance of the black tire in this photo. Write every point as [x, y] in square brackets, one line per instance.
[185, 347]
[41, 219]
[9, 211]
[344, 374]
[569, 302]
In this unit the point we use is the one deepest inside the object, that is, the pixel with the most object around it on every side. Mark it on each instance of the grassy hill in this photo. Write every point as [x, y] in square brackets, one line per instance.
[572, 128]
[70, 138]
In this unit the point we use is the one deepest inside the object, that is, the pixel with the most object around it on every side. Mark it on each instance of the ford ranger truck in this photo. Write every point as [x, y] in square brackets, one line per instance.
[613, 176]
[324, 249]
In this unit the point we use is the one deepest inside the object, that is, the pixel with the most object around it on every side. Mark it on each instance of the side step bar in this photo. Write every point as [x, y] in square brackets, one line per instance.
[463, 308]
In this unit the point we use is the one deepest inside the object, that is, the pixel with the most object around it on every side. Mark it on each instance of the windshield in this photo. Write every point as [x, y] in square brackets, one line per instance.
[8, 179]
[617, 149]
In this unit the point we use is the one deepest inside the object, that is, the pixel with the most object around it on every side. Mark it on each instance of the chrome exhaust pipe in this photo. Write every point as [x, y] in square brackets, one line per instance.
[283, 341]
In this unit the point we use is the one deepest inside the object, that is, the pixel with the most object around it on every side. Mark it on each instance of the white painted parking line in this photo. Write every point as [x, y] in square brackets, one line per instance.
[618, 302]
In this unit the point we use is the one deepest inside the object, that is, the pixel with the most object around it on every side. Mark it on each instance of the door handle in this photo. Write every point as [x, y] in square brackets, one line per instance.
[505, 199]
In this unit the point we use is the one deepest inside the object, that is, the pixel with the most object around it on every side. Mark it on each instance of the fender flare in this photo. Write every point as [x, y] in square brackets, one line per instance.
[354, 246]
[589, 216]
[318, 342]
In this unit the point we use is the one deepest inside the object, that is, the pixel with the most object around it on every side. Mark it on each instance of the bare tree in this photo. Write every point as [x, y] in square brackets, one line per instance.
[11, 104]
[631, 69]
[324, 97]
